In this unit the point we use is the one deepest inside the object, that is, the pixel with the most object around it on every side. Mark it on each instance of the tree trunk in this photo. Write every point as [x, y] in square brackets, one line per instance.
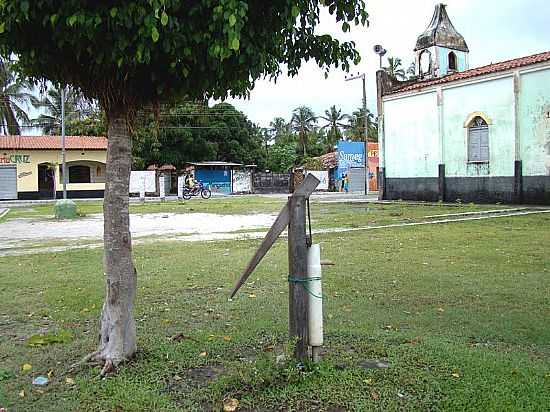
[117, 339]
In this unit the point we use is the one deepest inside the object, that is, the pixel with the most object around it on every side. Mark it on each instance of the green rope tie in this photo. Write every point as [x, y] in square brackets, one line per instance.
[304, 282]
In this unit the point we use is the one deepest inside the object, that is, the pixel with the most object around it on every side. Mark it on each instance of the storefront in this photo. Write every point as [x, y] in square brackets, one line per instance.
[30, 167]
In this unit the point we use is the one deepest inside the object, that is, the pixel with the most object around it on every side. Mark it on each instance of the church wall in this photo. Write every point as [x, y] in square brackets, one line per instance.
[411, 134]
[534, 131]
[416, 168]
[495, 99]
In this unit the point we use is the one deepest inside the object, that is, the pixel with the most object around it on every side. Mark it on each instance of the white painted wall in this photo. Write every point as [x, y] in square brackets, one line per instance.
[142, 181]
[494, 98]
[411, 136]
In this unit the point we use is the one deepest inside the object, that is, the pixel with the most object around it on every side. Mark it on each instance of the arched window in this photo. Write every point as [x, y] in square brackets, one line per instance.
[453, 66]
[478, 140]
[425, 62]
[79, 174]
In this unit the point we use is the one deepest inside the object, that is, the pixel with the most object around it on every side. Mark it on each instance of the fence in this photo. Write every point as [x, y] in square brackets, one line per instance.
[271, 182]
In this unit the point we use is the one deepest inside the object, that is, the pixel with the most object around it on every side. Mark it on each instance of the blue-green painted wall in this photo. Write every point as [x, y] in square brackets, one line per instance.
[535, 123]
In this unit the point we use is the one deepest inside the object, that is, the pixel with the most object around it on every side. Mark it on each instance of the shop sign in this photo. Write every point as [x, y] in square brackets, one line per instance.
[15, 159]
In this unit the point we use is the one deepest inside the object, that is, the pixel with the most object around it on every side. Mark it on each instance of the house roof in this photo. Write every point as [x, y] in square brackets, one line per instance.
[472, 73]
[215, 163]
[53, 142]
[441, 32]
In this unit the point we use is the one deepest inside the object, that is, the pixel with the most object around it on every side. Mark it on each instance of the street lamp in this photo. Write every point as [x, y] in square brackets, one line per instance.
[363, 77]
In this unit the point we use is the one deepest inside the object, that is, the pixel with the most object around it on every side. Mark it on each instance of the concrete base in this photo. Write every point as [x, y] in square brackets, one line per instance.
[533, 189]
[71, 194]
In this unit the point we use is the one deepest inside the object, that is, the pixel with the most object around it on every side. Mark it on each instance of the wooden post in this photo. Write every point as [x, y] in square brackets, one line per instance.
[297, 266]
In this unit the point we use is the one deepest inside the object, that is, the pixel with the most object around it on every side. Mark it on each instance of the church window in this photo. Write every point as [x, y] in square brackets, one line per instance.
[425, 62]
[452, 62]
[478, 140]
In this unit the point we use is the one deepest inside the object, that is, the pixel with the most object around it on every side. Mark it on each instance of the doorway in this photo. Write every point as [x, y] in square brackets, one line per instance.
[46, 181]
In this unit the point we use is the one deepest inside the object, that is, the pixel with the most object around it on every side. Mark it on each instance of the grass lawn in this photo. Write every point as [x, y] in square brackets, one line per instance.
[459, 312]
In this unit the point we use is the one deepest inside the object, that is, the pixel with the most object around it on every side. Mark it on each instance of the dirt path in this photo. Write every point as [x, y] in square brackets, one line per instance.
[211, 227]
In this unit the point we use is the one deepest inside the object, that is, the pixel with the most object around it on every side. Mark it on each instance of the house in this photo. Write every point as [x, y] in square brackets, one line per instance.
[455, 133]
[223, 177]
[30, 167]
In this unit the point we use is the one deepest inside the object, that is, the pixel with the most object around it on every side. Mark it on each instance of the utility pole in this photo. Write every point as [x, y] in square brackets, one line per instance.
[63, 155]
[366, 125]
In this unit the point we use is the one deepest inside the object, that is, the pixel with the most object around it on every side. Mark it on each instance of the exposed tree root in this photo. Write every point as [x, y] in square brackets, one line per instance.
[108, 368]
[84, 360]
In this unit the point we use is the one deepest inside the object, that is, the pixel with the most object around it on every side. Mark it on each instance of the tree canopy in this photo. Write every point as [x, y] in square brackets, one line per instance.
[134, 52]
[192, 132]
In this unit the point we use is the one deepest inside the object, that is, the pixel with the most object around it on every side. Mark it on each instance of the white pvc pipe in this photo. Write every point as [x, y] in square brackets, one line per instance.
[315, 296]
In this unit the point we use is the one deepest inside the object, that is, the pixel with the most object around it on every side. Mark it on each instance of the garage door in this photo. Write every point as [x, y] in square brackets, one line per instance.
[8, 182]
[357, 180]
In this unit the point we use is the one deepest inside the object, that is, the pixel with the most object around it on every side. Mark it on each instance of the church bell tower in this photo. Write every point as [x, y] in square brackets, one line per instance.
[441, 49]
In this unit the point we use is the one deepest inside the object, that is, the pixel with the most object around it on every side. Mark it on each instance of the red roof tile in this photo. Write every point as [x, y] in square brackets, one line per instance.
[479, 71]
[53, 142]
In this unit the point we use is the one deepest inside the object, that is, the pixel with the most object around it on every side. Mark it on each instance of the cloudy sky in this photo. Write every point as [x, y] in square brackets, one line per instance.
[495, 30]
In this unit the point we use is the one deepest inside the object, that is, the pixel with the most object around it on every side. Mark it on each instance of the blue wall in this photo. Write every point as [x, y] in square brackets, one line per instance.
[219, 180]
[350, 154]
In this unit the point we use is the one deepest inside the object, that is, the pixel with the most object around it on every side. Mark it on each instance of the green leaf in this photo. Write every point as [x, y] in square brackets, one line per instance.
[295, 11]
[25, 7]
[72, 20]
[53, 19]
[345, 27]
[6, 374]
[155, 34]
[232, 20]
[48, 338]
[2, 27]
[235, 44]
[114, 12]
[164, 18]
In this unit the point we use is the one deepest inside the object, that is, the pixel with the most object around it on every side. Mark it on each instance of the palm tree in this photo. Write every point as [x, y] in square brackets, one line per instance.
[50, 122]
[14, 95]
[356, 126]
[333, 118]
[303, 122]
[394, 69]
[280, 130]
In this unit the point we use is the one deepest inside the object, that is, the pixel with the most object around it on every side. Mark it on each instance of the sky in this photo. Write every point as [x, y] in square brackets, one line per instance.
[495, 30]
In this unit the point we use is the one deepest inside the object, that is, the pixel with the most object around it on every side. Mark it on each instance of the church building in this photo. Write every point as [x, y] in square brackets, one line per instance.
[460, 134]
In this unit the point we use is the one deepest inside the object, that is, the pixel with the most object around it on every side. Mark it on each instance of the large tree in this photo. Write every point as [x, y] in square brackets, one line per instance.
[195, 132]
[14, 97]
[127, 54]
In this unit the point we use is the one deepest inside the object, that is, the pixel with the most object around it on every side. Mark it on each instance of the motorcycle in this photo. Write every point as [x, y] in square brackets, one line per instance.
[198, 189]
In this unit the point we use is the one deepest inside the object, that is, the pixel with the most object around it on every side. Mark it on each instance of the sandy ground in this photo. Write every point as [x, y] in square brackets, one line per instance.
[198, 227]
[22, 230]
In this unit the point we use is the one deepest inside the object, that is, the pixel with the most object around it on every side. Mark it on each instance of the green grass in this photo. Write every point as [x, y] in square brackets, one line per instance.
[459, 311]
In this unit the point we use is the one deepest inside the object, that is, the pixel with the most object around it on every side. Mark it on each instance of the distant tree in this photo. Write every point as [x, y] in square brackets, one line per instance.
[14, 97]
[282, 157]
[187, 132]
[303, 123]
[129, 54]
[333, 123]
[411, 71]
[91, 123]
[50, 103]
[394, 69]
[281, 130]
[356, 126]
